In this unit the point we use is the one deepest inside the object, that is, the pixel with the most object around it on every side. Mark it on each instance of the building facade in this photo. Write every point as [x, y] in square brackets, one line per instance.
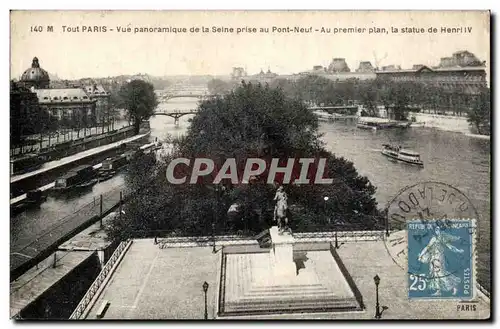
[71, 106]
[24, 113]
[102, 98]
[263, 77]
[465, 80]
[74, 107]
[462, 73]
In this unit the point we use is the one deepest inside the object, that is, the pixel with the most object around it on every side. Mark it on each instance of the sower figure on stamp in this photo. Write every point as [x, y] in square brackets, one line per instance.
[281, 209]
[439, 277]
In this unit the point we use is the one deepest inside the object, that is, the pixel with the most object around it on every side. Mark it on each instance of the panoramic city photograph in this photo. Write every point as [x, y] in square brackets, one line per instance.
[250, 165]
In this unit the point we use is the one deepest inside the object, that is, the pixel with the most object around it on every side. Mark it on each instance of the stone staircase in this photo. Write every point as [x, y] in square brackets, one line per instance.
[251, 289]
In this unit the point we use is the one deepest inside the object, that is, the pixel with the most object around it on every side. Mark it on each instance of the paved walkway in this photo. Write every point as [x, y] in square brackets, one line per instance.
[154, 283]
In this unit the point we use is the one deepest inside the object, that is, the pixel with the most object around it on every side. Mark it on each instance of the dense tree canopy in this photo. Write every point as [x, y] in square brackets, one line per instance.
[480, 114]
[139, 100]
[397, 97]
[26, 116]
[250, 121]
[218, 86]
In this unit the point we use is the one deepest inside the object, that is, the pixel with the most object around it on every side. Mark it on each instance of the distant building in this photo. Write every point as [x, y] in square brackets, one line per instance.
[391, 68]
[238, 73]
[338, 65]
[263, 77]
[341, 76]
[73, 106]
[462, 73]
[365, 67]
[446, 62]
[461, 58]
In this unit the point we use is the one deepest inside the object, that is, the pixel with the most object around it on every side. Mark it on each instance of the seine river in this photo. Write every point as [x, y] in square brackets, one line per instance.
[451, 158]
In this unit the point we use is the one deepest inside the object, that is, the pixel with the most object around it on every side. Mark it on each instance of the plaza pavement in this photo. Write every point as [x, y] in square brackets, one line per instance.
[154, 283]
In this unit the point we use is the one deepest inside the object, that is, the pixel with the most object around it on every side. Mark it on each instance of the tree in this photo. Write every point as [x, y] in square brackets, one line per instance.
[479, 115]
[250, 121]
[139, 100]
[368, 95]
[219, 87]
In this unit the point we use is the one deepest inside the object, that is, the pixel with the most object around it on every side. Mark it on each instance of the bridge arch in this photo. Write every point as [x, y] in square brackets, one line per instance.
[175, 114]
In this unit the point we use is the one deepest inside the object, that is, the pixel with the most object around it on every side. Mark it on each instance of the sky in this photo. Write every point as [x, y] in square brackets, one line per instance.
[104, 51]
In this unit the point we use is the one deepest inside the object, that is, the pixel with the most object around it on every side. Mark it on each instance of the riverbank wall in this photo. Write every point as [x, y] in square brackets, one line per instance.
[447, 123]
[20, 184]
[53, 288]
[443, 122]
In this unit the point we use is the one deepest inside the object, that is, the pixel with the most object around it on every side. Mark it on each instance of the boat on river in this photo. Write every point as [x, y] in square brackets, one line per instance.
[33, 199]
[111, 166]
[404, 155]
[81, 177]
[372, 123]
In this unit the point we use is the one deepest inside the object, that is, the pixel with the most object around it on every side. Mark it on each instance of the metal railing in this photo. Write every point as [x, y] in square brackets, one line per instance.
[359, 235]
[96, 285]
[343, 236]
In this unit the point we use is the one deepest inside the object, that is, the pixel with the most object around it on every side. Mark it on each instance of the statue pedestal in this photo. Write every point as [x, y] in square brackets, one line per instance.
[281, 254]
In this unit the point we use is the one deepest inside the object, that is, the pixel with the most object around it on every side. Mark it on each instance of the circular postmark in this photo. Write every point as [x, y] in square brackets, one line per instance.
[434, 205]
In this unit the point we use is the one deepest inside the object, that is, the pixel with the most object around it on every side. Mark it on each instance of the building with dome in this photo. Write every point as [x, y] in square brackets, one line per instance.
[74, 106]
[35, 76]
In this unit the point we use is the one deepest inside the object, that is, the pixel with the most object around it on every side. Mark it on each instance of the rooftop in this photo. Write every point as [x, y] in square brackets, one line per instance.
[65, 95]
[154, 283]
[419, 68]
[96, 90]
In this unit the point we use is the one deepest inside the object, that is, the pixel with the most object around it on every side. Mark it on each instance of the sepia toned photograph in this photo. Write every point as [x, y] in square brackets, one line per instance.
[250, 165]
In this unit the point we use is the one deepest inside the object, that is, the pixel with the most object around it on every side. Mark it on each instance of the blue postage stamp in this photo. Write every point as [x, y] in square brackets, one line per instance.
[441, 259]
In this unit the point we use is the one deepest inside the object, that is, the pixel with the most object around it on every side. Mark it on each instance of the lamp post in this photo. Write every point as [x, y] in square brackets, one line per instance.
[216, 215]
[386, 225]
[213, 238]
[326, 199]
[205, 288]
[378, 314]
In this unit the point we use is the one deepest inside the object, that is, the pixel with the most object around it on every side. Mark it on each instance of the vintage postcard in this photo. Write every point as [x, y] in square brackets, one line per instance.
[250, 165]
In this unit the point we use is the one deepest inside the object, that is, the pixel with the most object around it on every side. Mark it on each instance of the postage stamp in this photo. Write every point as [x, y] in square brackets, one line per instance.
[441, 260]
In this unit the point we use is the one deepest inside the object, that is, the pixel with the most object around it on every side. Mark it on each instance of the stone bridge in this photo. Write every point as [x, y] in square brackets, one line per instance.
[176, 114]
[168, 94]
